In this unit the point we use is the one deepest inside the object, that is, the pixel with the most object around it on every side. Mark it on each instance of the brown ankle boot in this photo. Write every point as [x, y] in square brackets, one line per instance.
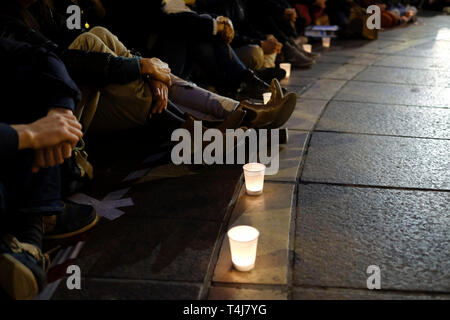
[276, 90]
[270, 116]
[189, 125]
[233, 121]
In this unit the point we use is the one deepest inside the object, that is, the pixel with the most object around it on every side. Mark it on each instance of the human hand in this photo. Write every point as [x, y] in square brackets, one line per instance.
[49, 131]
[278, 45]
[290, 14]
[156, 69]
[269, 46]
[225, 29]
[160, 93]
[52, 156]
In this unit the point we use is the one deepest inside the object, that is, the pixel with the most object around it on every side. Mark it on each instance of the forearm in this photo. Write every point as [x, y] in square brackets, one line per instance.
[100, 69]
[24, 137]
[9, 140]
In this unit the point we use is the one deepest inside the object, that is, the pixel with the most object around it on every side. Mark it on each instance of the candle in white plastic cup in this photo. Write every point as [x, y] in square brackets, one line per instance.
[307, 48]
[243, 247]
[326, 42]
[254, 178]
[286, 67]
[266, 97]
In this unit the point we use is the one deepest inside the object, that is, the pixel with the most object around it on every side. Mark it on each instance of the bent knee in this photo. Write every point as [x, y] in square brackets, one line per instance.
[100, 31]
[254, 57]
[85, 41]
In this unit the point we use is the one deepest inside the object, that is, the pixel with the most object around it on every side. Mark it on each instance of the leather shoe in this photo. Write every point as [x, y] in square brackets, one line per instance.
[233, 121]
[270, 116]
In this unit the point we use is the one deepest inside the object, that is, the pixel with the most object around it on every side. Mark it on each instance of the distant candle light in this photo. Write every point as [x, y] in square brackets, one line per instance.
[286, 67]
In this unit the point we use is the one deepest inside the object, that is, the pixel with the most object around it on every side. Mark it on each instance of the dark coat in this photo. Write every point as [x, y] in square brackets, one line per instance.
[32, 81]
[90, 68]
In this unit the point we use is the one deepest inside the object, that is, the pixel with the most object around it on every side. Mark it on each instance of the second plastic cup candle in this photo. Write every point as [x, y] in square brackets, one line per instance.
[254, 178]
[307, 48]
[243, 246]
[286, 67]
[326, 42]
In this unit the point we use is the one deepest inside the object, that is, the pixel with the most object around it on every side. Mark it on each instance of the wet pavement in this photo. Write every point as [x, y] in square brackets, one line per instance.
[364, 181]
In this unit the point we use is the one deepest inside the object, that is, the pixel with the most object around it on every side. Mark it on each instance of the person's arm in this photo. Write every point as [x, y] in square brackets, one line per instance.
[49, 131]
[100, 69]
[85, 67]
[9, 140]
[41, 71]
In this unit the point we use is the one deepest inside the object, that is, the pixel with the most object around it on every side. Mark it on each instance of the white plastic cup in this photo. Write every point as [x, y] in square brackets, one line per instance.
[286, 67]
[266, 97]
[254, 178]
[326, 42]
[243, 246]
[307, 48]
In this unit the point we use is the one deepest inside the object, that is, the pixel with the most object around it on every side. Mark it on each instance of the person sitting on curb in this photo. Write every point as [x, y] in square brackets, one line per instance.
[36, 134]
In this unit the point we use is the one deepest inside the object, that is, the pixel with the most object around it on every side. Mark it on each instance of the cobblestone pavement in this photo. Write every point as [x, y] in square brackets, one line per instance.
[364, 181]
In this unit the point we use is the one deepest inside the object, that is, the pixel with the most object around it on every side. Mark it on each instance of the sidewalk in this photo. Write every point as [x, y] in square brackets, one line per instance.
[364, 180]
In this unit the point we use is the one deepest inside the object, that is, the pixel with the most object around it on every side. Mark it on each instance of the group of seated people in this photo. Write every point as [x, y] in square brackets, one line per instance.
[185, 60]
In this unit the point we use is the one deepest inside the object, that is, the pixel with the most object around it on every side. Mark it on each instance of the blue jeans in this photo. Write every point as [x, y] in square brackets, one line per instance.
[26, 196]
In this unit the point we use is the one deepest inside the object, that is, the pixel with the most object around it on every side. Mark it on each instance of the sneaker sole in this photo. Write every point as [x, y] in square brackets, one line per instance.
[16, 279]
[73, 233]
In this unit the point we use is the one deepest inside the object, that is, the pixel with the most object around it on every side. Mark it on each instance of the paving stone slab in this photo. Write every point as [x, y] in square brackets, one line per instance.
[306, 114]
[225, 293]
[345, 72]
[93, 289]
[352, 58]
[356, 117]
[410, 32]
[297, 81]
[324, 89]
[432, 49]
[149, 249]
[378, 161]
[341, 231]
[206, 199]
[414, 62]
[318, 70]
[361, 46]
[299, 90]
[395, 94]
[290, 157]
[402, 46]
[328, 71]
[439, 78]
[351, 294]
[271, 215]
